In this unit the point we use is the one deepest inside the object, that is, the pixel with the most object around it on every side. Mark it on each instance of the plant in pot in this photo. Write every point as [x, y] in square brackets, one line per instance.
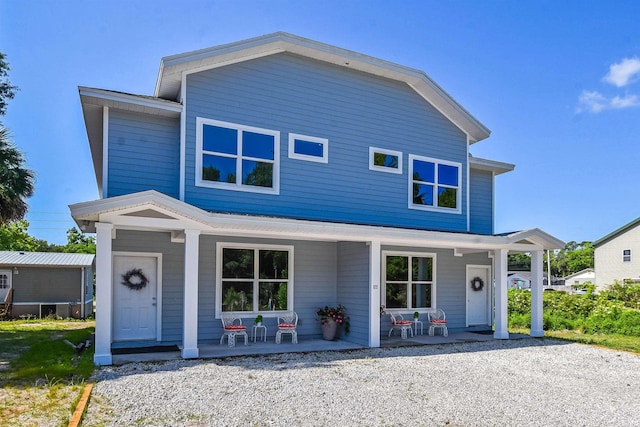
[416, 315]
[258, 320]
[332, 318]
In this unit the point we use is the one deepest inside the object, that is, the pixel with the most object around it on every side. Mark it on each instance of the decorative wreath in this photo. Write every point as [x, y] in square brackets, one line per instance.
[139, 280]
[477, 284]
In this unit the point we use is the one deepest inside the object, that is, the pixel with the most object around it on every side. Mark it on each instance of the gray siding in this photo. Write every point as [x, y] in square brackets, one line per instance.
[172, 274]
[481, 202]
[144, 154]
[353, 289]
[47, 285]
[354, 111]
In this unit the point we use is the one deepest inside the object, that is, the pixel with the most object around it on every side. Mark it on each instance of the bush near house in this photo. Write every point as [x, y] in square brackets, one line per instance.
[612, 311]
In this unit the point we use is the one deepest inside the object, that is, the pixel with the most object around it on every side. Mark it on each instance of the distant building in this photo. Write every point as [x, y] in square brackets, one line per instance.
[617, 255]
[588, 275]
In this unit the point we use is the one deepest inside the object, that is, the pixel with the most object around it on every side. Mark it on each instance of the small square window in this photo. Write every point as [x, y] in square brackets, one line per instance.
[308, 148]
[626, 255]
[385, 160]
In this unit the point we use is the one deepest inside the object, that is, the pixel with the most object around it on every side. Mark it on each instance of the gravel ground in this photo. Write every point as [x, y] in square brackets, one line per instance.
[529, 382]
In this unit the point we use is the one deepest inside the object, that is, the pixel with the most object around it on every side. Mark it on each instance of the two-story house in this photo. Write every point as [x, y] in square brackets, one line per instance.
[280, 173]
[616, 256]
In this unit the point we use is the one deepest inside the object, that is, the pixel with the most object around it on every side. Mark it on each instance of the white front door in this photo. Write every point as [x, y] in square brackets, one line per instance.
[135, 297]
[5, 284]
[478, 295]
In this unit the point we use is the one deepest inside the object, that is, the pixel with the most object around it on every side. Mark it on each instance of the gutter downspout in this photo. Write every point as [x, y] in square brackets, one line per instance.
[82, 294]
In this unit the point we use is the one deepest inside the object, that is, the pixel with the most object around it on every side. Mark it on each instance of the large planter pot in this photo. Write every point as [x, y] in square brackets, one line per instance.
[329, 328]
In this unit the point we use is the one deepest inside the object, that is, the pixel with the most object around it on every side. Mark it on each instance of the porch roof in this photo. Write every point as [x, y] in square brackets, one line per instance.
[153, 211]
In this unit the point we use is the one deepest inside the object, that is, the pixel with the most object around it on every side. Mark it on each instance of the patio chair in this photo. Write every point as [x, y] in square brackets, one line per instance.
[287, 324]
[438, 320]
[232, 327]
[400, 324]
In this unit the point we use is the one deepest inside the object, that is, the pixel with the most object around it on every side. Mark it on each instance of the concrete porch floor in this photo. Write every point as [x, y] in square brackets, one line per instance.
[305, 345]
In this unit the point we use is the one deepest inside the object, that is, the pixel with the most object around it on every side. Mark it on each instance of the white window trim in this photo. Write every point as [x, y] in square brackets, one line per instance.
[373, 167]
[238, 186]
[435, 208]
[306, 157]
[252, 314]
[383, 282]
[625, 257]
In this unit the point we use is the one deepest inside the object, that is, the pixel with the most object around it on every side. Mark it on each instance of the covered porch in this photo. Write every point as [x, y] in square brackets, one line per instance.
[192, 231]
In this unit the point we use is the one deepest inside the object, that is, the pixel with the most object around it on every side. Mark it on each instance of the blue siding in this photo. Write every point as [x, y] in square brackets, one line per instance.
[144, 154]
[450, 285]
[354, 110]
[353, 289]
[481, 202]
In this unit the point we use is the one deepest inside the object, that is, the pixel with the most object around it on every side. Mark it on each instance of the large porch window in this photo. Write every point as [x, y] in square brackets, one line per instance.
[408, 280]
[254, 278]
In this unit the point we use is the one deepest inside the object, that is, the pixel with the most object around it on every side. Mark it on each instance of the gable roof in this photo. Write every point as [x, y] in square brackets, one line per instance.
[580, 273]
[172, 69]
[45, 259]
[616, 233]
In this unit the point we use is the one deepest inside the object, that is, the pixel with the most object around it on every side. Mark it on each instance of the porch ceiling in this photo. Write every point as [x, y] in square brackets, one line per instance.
[153, 211]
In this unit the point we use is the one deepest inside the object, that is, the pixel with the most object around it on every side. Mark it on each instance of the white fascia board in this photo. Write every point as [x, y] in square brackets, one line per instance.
[538, 237]
[116, 99]
[490, 165]
[172, 67]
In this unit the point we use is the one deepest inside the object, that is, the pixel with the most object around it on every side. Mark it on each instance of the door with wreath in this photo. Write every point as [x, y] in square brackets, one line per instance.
[135, 297]
[478, 295]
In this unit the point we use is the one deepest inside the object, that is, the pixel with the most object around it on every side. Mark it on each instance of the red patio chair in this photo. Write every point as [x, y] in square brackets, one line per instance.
[400, 324]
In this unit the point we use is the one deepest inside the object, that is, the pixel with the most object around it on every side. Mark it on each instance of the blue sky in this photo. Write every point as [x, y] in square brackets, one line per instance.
[558, 84]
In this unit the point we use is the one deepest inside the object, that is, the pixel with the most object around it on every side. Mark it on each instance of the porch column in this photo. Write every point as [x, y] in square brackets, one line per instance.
[537, 328]
[502, 315]
[374, 293]
[190, 332]
[104, 294]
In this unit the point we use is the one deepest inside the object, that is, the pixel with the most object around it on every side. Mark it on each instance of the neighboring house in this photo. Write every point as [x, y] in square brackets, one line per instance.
[617, 255]
[519, 280]
[279, 173]
[588, 275]
[47, 283]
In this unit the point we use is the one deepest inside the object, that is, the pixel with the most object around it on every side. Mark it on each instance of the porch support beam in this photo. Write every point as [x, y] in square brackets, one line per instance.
[374, 292]
[104, 293]
[502, 331]
[190, 310]
[537, 328]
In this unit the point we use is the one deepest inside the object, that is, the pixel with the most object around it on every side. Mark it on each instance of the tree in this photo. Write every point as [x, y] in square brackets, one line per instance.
[16, 182]
[7, 91]
[14, 237]
[79, 243]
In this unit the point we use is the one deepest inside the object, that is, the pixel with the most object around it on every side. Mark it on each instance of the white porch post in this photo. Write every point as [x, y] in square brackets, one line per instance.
[537, 328]
[374, 293]
[502, 331]
[104, 294]
[190, 332]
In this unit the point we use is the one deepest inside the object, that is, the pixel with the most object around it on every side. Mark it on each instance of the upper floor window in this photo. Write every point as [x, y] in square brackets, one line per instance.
[385, 160]
[626, 255]
[409, 280]
[308, 148]
[237, 157]
[434, 184]
[254, 278]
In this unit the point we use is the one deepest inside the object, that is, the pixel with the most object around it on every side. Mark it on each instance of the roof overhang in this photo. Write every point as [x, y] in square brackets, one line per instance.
[93, 102]
[153, 211]
[493, 166]
[172, 69]
[616, 233]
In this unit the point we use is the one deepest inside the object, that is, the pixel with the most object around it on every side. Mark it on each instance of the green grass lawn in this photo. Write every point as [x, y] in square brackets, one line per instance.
[614, 342]
[41, 377]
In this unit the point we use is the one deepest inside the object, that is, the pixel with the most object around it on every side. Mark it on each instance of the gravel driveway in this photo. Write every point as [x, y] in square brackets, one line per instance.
[529, 382]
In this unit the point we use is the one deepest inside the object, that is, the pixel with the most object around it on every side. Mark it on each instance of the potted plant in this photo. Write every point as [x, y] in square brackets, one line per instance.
[416, 315]
[331, 318]
[258, 320]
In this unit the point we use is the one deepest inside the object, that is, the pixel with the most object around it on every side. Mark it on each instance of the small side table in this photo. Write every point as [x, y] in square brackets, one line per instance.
[417, 322]
[262, 329]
